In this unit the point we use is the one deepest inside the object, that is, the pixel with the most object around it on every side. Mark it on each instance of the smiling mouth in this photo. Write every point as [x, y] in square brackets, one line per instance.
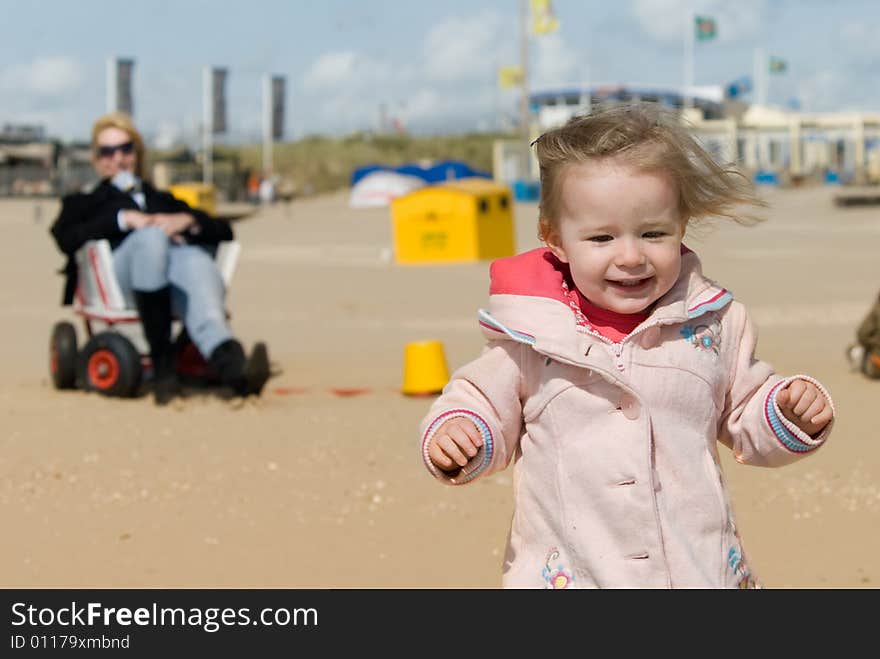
[629, 284]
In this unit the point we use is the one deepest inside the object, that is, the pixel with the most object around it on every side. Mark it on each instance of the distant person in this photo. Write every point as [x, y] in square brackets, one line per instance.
[253, 188]
[864, 356]
[267, 190]
[162, 257]
[614, 368]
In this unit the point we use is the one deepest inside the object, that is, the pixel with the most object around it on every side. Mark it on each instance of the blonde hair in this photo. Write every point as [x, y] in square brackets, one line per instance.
[651, 139]
[123, 122]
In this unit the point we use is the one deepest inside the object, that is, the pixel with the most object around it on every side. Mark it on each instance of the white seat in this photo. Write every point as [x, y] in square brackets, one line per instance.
[227, 259]
[98, 294]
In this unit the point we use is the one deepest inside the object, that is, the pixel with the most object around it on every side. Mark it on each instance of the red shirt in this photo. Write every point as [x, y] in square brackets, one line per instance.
[610, 324]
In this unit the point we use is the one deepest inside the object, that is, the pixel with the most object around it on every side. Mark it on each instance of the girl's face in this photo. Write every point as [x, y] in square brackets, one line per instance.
[114, 152]
[620, 231]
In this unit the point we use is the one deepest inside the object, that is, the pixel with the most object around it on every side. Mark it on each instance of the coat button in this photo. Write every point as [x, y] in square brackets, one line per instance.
[630, 407]
[651, 337]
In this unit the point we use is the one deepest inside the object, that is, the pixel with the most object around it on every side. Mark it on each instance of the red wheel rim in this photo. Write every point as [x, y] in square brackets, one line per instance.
[103, 369]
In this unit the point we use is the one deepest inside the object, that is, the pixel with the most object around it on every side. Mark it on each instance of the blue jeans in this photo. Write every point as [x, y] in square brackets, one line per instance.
[148, 260]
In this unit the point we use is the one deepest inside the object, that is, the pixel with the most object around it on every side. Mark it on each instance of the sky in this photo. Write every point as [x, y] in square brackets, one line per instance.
[430, 65]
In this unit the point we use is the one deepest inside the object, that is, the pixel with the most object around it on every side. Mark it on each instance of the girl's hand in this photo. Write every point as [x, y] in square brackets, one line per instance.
[804, 405]
[454, 443]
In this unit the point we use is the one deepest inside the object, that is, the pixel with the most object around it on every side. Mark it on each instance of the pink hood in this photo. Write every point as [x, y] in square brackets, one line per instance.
[532, 300]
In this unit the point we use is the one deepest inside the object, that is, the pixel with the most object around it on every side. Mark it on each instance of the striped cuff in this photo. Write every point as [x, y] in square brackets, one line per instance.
[789, 435]
[477, 464]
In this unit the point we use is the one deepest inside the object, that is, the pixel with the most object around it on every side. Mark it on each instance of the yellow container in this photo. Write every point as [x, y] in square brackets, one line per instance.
[424, 368]
[467, 219]
[202, 196]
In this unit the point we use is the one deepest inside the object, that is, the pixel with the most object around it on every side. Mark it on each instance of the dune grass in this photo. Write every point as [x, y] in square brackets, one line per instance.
[318, 164]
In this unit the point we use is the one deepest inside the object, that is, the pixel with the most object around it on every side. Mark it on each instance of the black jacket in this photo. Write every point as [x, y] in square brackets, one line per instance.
[92, 215]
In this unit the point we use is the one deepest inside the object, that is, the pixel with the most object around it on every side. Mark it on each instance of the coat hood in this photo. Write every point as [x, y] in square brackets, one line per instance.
[532, 300]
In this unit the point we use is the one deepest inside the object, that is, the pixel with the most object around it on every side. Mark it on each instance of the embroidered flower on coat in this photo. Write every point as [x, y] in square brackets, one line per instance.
[737, 561]
[703, 337]
[737, 564]
[556, 578]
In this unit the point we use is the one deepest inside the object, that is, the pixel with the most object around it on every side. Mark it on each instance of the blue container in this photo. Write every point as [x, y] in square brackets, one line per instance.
[832, 177]
[767, 178]
[526, 190]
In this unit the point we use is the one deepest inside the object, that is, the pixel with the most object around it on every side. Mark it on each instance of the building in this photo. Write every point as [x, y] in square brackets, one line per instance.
[772, 144]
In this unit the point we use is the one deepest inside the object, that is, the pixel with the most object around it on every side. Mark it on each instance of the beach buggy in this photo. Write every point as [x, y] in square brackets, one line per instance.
[114, 358]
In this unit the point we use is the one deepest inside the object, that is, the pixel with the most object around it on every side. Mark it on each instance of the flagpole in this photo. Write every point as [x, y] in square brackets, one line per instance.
[524, 100]
[207, 126]
[496, 98]
[586, 93]
[760, 72]
[267, 124]
[689, 36]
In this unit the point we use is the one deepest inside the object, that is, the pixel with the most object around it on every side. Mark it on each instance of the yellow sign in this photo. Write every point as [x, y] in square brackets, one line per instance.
[510, 76]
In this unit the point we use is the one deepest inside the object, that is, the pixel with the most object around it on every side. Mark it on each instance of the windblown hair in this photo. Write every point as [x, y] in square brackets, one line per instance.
[652, 139]
[123, 122]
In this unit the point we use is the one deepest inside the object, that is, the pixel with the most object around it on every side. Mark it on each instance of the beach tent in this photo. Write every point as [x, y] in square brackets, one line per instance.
[443, 170]
[361, 172]
[379, 187]
[449, 170]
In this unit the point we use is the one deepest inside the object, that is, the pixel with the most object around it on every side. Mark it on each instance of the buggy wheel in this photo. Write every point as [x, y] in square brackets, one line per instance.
[110, 364]
[62, 355]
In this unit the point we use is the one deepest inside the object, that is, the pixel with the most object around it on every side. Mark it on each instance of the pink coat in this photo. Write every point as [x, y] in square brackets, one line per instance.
[617, 480]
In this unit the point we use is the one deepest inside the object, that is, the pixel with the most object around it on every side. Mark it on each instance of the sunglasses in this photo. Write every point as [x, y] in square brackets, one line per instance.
[107, 151]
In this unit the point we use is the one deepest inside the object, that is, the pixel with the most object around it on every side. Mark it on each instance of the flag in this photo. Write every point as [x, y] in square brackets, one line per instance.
[277, 105]
[739, 87]
[544, 21]
[218, 96]
[510, 76]
[123, 99]
[777, 65]
[705, 28]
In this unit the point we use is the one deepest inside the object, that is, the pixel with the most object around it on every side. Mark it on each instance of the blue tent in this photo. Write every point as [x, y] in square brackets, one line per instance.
[444, 170]
[360, 172]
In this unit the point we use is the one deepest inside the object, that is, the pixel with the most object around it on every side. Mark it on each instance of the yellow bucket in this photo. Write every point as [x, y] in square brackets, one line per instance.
[424, 368]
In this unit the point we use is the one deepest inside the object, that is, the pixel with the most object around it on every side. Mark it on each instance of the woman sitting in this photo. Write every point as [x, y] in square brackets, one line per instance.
[162, 257]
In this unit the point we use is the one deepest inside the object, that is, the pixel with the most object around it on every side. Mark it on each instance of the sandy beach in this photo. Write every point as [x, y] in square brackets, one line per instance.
[309, 488]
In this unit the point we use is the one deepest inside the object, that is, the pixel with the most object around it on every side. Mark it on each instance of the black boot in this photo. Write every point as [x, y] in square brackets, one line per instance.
[154, 308]
[257, 370]
[245, 376]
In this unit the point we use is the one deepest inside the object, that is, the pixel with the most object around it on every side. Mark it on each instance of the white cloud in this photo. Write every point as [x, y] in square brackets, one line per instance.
[664, 20]
[347, 70]
[330, 70]
[426, 103]
[556, 63]
[451, 82]
[430, 107]
[464, 48]
[46, 76]
[453, 77]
